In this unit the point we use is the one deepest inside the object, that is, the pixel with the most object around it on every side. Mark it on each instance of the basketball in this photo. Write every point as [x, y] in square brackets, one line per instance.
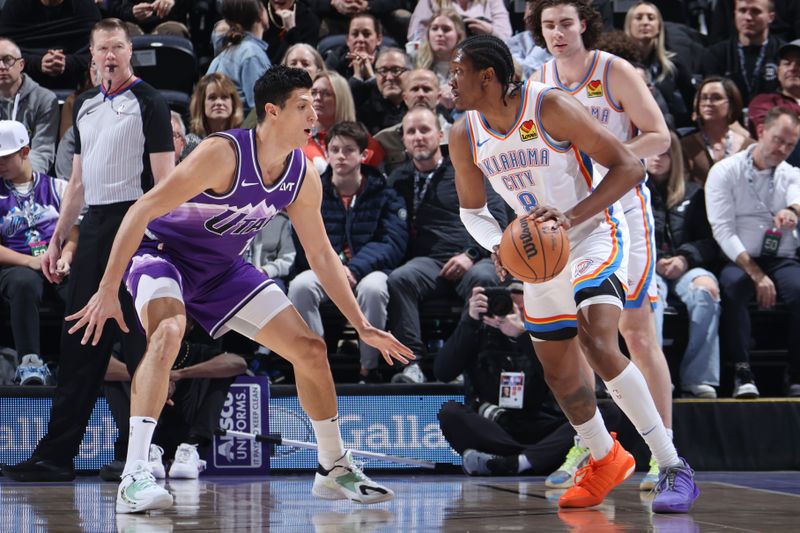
[534, 252]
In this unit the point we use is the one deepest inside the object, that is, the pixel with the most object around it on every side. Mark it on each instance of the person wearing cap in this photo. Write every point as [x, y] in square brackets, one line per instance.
[24, 100]
[788, 96]
[29, 208]
[750, 58]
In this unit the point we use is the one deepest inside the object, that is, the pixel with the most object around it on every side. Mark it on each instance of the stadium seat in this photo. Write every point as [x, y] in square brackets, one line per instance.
[165, 62]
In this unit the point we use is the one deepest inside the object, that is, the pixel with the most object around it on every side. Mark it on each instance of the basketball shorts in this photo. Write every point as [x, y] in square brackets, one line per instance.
[236, 297]
[595, 274]
[642, 256]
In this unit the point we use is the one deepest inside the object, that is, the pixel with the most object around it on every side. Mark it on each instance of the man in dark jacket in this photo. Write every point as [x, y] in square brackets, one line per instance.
[750, 58]
[443, 259]
[380, 99]
[365, 222]
[53, 36]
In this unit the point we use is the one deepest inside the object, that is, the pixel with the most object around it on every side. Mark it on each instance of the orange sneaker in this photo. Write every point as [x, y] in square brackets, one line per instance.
[594, 481]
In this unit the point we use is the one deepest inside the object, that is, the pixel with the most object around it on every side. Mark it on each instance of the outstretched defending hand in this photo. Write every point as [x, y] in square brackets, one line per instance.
[389, 347]
[104, 304]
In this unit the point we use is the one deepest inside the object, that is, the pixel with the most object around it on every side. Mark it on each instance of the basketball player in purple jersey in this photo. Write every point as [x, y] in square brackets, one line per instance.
[178, 249]
[616, 96]
[533, 144]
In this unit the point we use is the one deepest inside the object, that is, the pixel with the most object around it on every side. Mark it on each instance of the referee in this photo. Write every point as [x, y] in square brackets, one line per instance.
[123, 144]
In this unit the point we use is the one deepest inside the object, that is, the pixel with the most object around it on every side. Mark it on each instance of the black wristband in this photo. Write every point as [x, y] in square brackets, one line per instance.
[473, 253]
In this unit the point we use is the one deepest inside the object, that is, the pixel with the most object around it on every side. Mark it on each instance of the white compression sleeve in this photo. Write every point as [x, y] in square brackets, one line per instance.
[482, 226]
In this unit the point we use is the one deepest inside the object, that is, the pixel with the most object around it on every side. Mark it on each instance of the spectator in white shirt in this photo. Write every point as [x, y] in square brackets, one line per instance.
[753, 202]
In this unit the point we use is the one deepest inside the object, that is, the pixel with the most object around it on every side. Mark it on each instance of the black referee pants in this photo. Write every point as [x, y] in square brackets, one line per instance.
[82, 367]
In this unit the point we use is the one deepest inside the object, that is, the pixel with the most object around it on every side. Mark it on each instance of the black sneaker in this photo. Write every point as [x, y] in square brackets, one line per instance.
[112, 471]
[38, 469]
[744, 384]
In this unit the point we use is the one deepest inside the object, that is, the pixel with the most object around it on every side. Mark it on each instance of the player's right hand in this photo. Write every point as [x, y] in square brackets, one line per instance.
[104, 304]
[498, 264]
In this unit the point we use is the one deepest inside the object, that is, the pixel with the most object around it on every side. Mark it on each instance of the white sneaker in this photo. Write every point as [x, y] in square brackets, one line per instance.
[155, 461]
[187, 463]
[139, 491]
[699, 391]
[412, 373]
[346, 481]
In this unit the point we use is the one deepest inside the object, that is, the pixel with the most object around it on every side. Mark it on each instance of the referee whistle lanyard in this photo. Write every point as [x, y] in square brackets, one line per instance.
[757, 70]
[750, 172]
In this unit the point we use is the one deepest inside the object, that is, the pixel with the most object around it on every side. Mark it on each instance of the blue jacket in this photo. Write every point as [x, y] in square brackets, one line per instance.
[374, 227]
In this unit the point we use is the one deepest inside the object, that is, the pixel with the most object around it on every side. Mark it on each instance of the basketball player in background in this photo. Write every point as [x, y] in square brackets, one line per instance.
[529, 142]
[195, 224]
[618, 98]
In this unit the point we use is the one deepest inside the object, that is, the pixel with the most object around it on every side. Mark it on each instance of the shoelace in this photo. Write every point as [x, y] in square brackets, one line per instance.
[184, 454]
[580, 475]
[667, 479]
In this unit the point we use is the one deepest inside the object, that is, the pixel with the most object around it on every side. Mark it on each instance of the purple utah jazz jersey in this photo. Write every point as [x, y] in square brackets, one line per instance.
[213, 230]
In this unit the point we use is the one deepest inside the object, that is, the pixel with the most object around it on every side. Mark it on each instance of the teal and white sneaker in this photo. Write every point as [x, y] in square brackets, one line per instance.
[577, 457]
[651, 477]
[139, 492]
[346, 481]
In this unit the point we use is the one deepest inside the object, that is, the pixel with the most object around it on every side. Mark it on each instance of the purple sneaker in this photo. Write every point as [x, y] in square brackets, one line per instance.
[676, 490]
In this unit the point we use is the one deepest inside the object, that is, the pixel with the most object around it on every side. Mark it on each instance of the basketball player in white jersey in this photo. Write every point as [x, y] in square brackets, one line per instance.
[617, 98]
[533, 144]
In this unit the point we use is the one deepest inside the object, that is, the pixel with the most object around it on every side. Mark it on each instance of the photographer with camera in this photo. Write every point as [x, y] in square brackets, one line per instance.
[509, 422]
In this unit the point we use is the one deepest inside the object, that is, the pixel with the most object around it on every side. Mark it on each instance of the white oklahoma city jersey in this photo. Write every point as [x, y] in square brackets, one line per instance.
[594, 92]
[528, 168]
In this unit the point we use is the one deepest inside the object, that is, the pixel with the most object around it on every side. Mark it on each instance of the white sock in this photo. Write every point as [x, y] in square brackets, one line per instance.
[139, 437]
[329, 441]
[595, 436]
[670, 434]
[524, 464]
[630, 393]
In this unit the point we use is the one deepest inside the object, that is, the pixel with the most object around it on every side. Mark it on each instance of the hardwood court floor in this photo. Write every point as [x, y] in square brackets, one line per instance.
[767, 501]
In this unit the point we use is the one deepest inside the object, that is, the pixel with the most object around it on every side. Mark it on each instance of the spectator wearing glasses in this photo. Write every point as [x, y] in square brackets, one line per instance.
[333, 103]
[24, 100]
[717, 108]
[381, 97]
[753, 202]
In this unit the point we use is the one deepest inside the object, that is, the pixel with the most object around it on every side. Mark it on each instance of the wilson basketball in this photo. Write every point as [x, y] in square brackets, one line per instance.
[534, 252]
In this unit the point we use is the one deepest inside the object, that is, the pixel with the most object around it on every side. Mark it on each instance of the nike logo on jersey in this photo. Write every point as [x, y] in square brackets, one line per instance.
[483, 142]
[248, 183]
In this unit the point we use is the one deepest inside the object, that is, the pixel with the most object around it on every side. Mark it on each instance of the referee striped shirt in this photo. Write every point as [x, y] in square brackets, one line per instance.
[115, 133]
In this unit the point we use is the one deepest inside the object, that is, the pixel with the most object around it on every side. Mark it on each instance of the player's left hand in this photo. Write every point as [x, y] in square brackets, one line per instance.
[501, 271]
[102, 306]
[391, 349]
[540, 213]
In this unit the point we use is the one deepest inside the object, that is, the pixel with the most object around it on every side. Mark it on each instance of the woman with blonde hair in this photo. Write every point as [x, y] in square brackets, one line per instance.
[686, 256]
[644, 23]
[333, 103]
[445, 31]
[717, 110]
[215, 106]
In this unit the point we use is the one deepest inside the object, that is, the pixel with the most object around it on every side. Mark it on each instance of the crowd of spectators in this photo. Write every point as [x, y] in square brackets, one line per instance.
[380, 90]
